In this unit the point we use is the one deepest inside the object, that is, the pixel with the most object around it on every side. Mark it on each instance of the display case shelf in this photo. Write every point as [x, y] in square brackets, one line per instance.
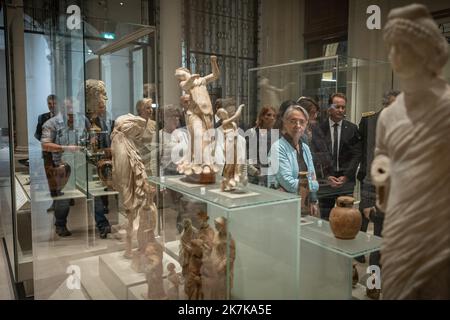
[319, 233]
[253, 196]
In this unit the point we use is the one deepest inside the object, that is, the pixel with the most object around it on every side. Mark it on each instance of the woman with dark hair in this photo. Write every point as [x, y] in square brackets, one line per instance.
[259, 141]
[318, 146]
[283, 107]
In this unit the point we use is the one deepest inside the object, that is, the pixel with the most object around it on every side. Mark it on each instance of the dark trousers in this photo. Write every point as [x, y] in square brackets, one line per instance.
[101, 208]
[62, 208]
[368, 199]
[327, 197]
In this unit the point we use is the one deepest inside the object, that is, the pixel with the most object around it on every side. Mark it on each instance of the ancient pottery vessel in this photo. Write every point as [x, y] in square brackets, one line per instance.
[57, 178]
[345, 221]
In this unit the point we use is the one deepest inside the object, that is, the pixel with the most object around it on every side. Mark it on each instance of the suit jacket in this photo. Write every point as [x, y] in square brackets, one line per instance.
[367, 130]
[41, 120]
[349, 148]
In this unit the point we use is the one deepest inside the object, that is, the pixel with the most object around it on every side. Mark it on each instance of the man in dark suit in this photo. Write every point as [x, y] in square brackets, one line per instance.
[51, 103]
[344, 145]
[369, 211]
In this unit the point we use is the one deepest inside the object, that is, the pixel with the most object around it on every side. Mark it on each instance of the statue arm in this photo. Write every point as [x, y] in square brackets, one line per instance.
[234, 117]
[380, 170]
[215, 71]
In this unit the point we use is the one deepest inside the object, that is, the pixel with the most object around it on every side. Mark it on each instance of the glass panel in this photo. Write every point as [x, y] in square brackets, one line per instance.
[6, 186]
[241, 263]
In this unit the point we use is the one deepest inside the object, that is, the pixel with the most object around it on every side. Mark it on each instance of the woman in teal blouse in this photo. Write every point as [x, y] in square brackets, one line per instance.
[289, 155]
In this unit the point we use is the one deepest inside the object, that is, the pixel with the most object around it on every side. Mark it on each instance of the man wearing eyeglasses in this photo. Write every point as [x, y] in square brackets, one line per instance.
[344, 145]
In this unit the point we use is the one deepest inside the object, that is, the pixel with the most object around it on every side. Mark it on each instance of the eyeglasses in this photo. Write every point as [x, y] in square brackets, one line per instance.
[301, 123]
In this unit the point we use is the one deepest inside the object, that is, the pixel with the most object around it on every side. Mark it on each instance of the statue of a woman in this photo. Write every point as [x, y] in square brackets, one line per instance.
[189, 233]
[412, 166]
[130, 178]
[233, 155]
[199, 121]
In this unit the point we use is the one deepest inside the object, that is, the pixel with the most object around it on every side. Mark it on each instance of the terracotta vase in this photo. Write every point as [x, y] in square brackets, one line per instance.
[104, 170]
[202, 178]
[304, 191]
[345, 221]
[57, 178]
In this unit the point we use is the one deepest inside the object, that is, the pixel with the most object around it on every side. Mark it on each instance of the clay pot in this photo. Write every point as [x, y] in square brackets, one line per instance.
[202, 178]
[57, 178]
[304, 191]
[104, 170]
[345, 221]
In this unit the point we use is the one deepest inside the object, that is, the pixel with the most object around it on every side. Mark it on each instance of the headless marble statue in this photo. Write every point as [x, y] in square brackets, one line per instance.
[411, 170]
[130, 180]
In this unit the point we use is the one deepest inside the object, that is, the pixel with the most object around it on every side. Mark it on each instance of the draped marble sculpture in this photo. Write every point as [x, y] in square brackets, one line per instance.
[232, 145]
[130, 180]
[200, 124]
[411, 170]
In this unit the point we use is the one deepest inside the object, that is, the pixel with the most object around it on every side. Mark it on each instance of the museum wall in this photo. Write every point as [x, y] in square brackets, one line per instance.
[368, 44]
[281, 31]
[170, 50]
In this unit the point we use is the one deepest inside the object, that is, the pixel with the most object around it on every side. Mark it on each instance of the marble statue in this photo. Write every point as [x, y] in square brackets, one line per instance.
[189, 233]
[173, 292]
[193, 282]
[200, 123]
[146, 146]
[234, 170]
[130, 179]
[411, 170]
[271, 95]
[96, 97]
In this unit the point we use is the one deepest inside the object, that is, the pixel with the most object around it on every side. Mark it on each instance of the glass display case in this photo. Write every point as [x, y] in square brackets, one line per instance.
[262, 244]
[78, 218]
[326, 262]
[362, 81]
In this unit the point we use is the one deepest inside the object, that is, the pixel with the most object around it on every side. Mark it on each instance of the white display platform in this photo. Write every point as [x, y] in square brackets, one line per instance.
[185, 183]
[173, 249]
[116, 272]
[139, 292]
[234, 195]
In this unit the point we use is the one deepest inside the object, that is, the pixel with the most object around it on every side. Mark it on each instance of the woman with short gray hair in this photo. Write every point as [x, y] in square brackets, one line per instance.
[290, 157]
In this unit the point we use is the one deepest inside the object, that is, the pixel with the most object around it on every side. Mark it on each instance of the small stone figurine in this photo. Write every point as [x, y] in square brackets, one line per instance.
[205, 232]
[173, 292]
[153, 268]
[219, 260]
[193, 283]
[189, 233]
[234, 170]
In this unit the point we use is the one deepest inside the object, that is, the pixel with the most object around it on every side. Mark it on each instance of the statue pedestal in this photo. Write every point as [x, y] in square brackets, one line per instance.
[139, 292]
[116, 272]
